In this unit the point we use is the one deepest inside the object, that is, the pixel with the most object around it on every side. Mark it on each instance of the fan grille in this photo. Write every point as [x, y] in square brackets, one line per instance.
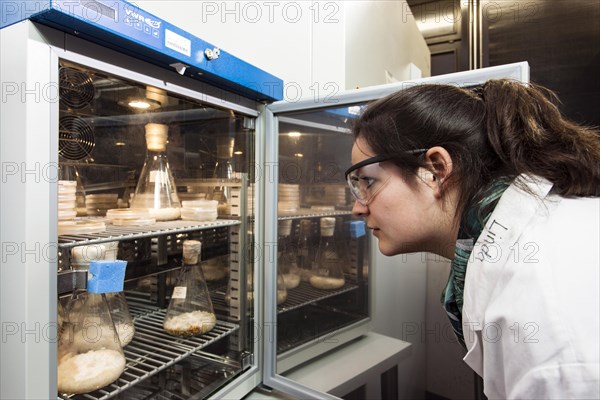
[76, 138]
[76, 88]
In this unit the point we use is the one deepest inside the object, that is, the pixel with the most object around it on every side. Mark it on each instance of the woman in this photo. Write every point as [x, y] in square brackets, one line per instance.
[496, 180]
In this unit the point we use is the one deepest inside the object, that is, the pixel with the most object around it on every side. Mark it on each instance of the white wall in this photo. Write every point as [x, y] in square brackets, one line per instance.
[294, 40]
[316, 47]
[382, 36]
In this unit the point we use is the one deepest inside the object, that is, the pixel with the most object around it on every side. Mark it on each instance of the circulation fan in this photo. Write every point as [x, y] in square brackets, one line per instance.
[76, 88]
[75, 138]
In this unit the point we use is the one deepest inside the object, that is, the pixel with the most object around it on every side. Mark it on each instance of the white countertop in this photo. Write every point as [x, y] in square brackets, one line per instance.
[345, 368]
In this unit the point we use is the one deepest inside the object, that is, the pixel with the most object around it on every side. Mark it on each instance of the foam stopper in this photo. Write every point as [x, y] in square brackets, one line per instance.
[106, 276]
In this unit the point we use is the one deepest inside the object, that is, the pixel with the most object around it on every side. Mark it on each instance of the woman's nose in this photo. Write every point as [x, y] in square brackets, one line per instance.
[359, 210]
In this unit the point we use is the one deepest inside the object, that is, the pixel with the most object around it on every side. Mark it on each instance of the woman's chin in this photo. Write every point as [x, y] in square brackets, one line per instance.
[391, 248]
[385, 250]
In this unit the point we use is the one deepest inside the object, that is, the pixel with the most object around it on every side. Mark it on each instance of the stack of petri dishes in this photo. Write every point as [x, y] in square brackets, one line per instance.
[199, 210]
[335, 195]
[98, 204]
[191, 195]
[80, 227]
[130, 217]
[288, 198]
[67, 200]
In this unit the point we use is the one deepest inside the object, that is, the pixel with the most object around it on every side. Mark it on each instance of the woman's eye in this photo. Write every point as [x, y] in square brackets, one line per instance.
[368, 181]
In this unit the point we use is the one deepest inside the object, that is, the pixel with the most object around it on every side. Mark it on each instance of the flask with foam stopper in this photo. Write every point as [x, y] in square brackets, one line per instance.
[155, 190]
[190, 310]
[287, 256]
[328, 270]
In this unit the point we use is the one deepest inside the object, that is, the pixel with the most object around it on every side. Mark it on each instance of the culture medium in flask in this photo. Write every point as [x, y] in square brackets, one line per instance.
[90, 355]
[287, 256]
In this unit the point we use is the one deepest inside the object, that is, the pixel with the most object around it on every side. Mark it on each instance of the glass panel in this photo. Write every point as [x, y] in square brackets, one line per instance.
[320, 243]
[185, 166]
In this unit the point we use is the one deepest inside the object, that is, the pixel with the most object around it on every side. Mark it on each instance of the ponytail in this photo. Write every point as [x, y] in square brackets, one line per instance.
[529, 135]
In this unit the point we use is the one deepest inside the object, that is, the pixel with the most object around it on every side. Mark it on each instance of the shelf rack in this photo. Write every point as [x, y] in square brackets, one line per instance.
[68, 280]
[309, 213]
[114, 232]
[305, 294]
[200, 375]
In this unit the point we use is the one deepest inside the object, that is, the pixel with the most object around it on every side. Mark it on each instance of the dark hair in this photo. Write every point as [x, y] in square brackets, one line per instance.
[500, 130]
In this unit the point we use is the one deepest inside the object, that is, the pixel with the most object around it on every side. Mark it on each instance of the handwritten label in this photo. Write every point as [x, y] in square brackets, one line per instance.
[489, 250]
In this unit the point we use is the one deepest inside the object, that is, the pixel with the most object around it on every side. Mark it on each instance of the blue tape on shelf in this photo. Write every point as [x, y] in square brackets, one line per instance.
[357, 229]
[106, 276]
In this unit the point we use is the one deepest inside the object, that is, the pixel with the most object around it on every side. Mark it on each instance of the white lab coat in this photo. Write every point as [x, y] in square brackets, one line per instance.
[531, 298]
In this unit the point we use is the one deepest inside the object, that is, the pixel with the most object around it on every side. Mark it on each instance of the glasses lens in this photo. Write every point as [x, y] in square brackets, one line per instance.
[366, 178]
[366, 181]
[355, 187]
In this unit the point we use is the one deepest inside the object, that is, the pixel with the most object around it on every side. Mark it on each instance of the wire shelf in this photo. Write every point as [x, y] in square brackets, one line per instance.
[308, 213]
[305, 294]
[138, 310]
[197, 377]
[153, 350]
[321, 324]
[114, 232]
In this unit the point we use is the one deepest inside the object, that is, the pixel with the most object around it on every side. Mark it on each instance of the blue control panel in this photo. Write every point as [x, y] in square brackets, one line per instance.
[125, 27]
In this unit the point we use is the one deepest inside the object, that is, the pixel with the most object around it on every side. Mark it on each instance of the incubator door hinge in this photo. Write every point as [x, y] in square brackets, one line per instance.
[247, 361]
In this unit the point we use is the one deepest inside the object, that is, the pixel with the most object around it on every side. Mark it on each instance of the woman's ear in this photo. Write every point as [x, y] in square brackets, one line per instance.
[439, 170]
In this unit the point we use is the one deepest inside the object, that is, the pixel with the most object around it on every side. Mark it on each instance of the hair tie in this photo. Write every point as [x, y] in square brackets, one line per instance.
[478, 91]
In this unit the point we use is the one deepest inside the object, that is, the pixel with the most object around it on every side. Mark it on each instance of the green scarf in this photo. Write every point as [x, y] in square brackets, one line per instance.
[475, 219]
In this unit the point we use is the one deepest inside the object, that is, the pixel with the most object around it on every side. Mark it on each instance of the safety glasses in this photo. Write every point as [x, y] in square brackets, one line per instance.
[367, 178]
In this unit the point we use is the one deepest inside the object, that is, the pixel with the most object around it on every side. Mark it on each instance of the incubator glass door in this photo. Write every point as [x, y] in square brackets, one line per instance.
[330, 304]
[145, 158]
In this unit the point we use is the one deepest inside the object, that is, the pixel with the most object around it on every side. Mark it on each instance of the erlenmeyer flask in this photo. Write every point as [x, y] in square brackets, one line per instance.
[286, 256]
[328, 273]
[223, 171]
[190, 310]
[342, 236]
[61, 318]
[89, 351]
[119, 311]
[60, 315]
[281, 290]
[156, 189]
[306, 250]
